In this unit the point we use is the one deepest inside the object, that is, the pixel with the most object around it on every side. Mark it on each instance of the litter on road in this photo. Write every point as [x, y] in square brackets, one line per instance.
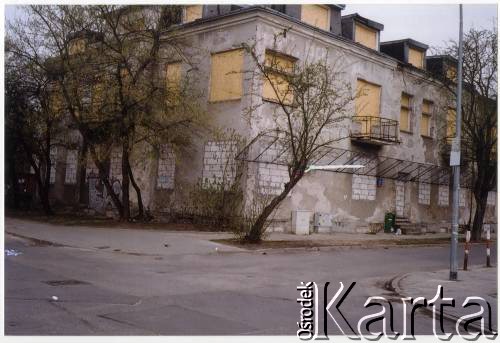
[12, 252]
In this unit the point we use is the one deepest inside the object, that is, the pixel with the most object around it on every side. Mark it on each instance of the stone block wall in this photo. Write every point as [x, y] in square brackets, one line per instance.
[364, 187]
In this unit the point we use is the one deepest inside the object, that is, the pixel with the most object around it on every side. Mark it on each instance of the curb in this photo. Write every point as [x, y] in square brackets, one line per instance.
[395, 285]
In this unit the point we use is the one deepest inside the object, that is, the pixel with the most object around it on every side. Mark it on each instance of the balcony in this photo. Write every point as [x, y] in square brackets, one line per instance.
[374, 130]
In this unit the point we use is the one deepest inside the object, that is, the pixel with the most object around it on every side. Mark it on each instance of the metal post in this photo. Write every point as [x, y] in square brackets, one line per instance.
[488, 237]
[467, 249]
[455, 160]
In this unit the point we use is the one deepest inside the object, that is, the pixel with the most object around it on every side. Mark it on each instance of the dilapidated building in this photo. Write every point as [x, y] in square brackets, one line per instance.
[399, 129]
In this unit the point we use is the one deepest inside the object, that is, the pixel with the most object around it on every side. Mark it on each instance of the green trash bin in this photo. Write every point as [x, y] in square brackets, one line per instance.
[389, 222]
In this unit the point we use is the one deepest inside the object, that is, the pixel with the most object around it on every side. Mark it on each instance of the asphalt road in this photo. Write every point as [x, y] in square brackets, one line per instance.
[112, 293]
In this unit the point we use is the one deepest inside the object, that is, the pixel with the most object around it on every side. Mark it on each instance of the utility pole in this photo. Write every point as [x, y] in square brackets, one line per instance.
[455, 159]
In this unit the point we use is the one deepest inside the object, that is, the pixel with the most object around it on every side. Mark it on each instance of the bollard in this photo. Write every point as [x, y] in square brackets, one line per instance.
[467, 248]
[488, 261]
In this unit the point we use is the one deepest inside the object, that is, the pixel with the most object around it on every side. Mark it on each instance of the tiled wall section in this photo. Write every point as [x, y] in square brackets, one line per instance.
[166, 168]
[364, 187]
[71, 165]
[219, 163]
[424, 193]
[444, 195]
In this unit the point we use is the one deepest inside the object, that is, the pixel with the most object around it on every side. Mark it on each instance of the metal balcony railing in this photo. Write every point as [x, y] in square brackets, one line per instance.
[376, 130]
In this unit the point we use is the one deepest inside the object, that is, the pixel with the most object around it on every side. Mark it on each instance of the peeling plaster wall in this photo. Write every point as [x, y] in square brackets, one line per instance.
[318, 191]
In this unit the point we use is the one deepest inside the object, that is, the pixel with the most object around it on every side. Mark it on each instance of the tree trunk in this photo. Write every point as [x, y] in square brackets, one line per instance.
[125, 181]
[255, 233]
[137, 191]
[104, 178]
[477, 225]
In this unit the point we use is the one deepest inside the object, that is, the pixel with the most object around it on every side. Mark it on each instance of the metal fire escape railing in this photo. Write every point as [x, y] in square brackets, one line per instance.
[369, 128]
[269, 149]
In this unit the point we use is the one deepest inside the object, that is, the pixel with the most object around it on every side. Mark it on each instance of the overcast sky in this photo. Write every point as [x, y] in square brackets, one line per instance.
[429, 24]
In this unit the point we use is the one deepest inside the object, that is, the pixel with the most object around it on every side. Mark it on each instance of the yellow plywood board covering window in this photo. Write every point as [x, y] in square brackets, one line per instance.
[226, 76]
[425, 125]
[366, 36]
[77, 46]
[368, 99]
[193, 12]
[172, 81]
[450, 122]
[426, 107]
[316, 15]
[451, 73]
[416, 58]
[404, 123]
[277, 88]
[425, 121]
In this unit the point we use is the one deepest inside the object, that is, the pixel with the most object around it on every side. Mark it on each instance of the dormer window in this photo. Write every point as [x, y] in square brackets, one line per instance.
[416, 57]
[366, 36]
[192, 13]
[362, 30]
[316, 15]
[77, 46]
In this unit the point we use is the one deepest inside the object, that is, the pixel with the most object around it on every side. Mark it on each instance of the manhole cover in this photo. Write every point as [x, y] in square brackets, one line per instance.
[65, 282]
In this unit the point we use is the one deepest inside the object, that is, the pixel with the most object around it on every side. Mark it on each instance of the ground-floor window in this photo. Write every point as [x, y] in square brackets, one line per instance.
[166, 168]
[364, 187]
[219, 164]
[71, 165]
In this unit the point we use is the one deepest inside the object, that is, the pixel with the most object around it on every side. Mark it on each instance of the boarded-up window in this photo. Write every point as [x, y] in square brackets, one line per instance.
[77, 46]
[425, 120]
[193, 12]
[226, 76]
[172, 82]
[115, 166]
[71, 162]
[416, 58]
[405, 116]
[276, 87]
[450, 123]
[366, 36]
[316, 15]
[451, 73]
[368, 99]
[166, 168]
[53, 164]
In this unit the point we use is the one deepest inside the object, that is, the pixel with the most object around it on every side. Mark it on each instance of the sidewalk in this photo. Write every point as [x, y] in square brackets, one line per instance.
[478, 281]
[153, 241]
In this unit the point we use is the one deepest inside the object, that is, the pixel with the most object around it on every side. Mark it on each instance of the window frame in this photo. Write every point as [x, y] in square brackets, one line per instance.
[212, 54]
[274, 71]
[410, 112]
[329, 16]
[429, 116]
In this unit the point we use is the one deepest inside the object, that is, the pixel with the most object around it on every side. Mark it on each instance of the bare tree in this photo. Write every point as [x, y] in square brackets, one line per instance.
[311, 102]
[107, 64]
[33, 121]
[479, 111]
